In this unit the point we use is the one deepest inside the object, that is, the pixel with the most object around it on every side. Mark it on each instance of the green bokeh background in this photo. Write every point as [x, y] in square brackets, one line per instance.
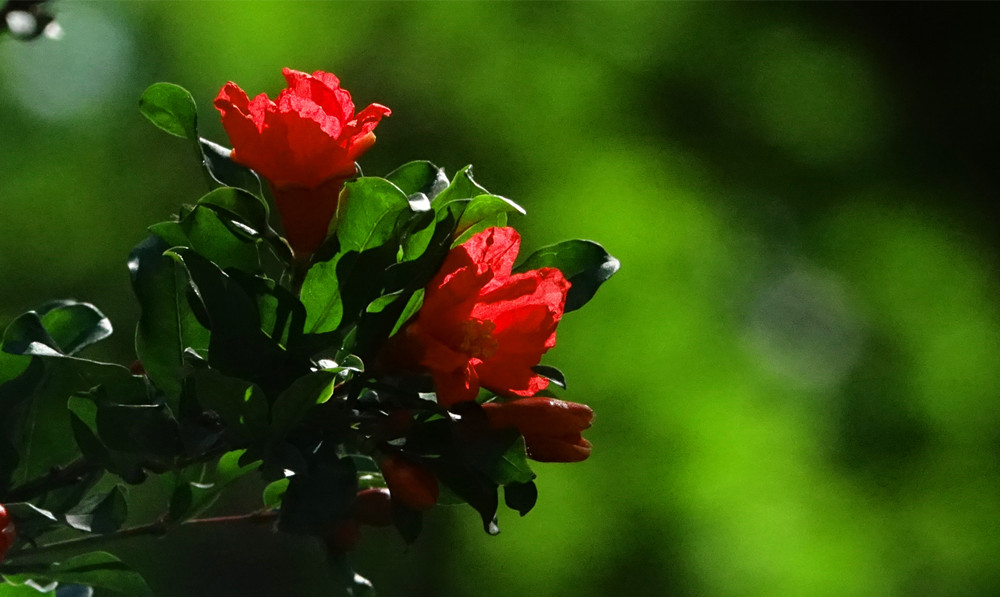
[796, 372]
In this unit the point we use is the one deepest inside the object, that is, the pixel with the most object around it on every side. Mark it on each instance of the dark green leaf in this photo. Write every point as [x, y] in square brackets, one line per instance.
[336, 292]
[102, 514]
[552, 374]
[43, 435]
[241, 406]
[225, 171]
[371, 213]
[238, 346]
[419, 177]
[193, 498]
[204, 231]
[511, 466]
[584, 263]
[294, 404]
[171, 108]
[97, 569]
[239, 204]
[354, 584]
[21, 377]
[167, 325]
[316, 498]
[520, 496]
[74, 325]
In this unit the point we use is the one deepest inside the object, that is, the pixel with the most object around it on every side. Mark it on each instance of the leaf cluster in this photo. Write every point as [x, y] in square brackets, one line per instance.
[248, 360]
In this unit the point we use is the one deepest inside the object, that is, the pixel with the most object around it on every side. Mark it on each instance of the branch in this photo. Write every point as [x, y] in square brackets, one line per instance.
[157, 528]
[62, 476]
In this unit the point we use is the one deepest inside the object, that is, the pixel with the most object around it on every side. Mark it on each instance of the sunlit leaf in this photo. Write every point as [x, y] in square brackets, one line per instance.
[171, 108]
[371, 213]
[584, 263]
[484, 211]
[462, 187]
[419, 177]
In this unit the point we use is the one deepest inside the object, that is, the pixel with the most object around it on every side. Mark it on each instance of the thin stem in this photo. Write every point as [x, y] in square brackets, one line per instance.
[157, 528]
[253, 517]
[58, 477]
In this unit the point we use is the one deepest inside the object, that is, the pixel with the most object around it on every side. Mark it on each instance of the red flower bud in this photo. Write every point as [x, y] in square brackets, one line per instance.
[410, 484]
[373, 507]
[304, 143]
[7, 532]
[551, 428]
[344, 537]
[480, 325]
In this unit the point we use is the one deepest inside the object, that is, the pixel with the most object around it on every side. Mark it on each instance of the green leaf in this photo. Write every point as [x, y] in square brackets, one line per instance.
[321, 296]
[193, 498]
[412, 308]
[102, 514]
[371, 213]
[294, 404]
[36, 423]
[238, 347]
[167, 325]
[242, 406]
[512, 465]
[226, 172]
[97, 569]
[204, 231]
[43, 434]
[11, 590]
[520, 496]
[74, 325]
[552, 374]
[239, 204]
[171, 108]
[419, 177]
[336, 292]
[584, 263]
[274, 493]
[461, 187]
[484, 211]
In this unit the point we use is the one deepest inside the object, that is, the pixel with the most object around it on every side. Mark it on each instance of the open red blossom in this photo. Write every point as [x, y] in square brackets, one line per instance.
[481, 326]
[304, 143]
[551, 428]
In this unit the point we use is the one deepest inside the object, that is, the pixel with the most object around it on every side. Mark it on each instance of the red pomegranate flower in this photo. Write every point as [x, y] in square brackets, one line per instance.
[551, 428]
[481, 326]
[304, 143]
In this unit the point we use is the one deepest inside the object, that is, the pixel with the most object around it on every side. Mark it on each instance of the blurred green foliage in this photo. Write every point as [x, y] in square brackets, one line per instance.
[796, 373]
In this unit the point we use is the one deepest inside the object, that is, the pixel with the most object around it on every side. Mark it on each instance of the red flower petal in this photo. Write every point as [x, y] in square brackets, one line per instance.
[494, 326]
[306, 138]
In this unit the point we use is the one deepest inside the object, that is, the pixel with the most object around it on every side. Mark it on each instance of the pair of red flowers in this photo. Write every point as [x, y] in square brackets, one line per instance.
[480, 325]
